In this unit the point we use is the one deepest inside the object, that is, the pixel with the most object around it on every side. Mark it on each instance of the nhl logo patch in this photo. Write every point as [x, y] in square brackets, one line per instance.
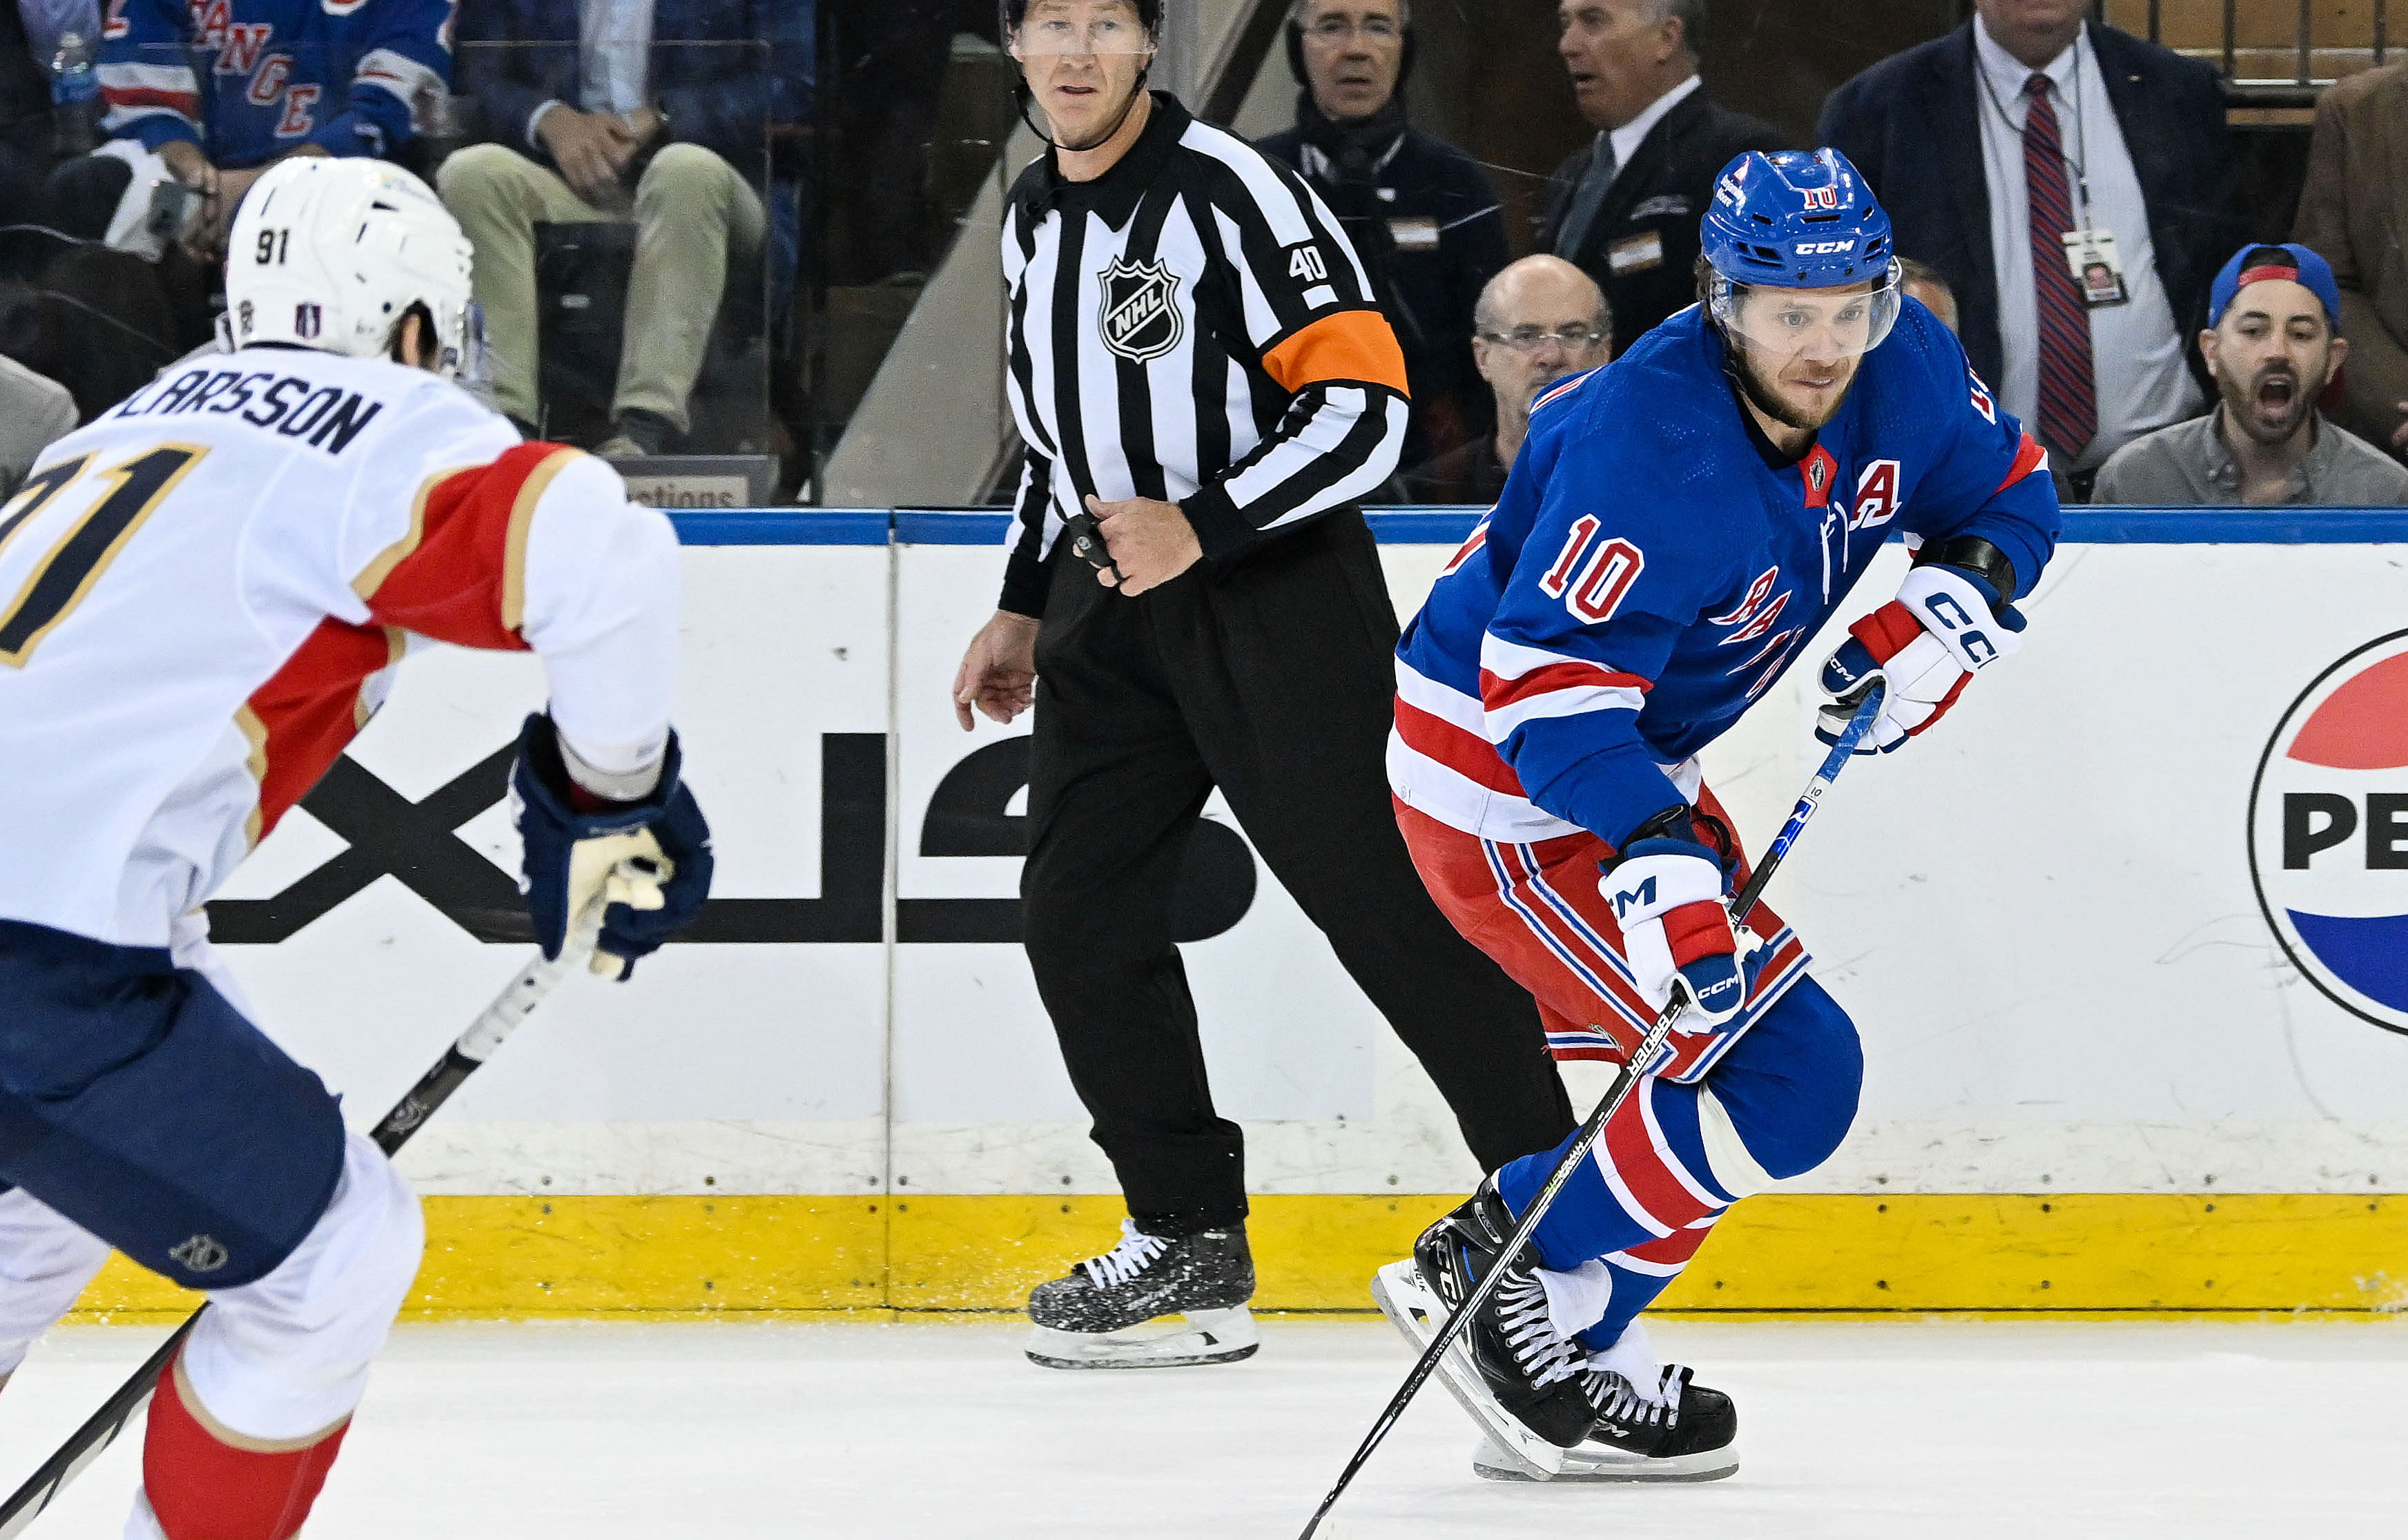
[1139, 319]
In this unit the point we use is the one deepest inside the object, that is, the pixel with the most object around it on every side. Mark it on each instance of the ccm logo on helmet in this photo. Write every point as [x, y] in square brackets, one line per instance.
[1824, 249]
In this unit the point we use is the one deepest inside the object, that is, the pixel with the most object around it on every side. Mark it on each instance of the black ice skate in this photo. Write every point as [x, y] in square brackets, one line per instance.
[1095, 1319]
[1669, 1430]
[1519, 1379]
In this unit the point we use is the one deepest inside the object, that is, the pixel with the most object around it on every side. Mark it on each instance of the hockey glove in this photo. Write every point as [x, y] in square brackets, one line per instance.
[650, 858]
[1667, 894]
[1926, 643]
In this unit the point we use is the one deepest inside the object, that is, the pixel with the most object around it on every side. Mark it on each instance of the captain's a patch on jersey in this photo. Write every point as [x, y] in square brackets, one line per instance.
[1139, 319]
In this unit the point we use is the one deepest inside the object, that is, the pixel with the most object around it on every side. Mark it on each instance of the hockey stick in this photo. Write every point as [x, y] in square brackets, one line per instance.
[1649, 1046]
[463, 1058]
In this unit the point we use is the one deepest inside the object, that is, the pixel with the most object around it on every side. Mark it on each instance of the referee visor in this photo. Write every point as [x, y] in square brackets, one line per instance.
[1079, 28]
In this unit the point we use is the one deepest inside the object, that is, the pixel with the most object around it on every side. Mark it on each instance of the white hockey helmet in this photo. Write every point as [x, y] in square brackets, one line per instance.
[332, 253]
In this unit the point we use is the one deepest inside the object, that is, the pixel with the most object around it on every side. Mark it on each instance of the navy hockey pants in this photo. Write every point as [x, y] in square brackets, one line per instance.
[138, 1103]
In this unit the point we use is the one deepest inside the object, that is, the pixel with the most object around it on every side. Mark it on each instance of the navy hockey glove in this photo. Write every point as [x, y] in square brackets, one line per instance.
[1937, 634]
[651, 858]
[1666, 891]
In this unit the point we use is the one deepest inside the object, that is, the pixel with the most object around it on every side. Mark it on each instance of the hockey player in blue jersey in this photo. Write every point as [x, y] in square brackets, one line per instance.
[1677, 528]
[218, 90]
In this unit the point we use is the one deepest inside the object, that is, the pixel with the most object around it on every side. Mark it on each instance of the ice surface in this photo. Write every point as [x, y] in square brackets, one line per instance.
[1932, 1430]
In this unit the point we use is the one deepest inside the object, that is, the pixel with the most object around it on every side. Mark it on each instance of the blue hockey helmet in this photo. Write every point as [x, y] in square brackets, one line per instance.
[1797, 219]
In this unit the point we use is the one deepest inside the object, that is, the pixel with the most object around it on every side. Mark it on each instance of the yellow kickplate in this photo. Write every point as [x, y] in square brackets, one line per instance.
[618, 1257]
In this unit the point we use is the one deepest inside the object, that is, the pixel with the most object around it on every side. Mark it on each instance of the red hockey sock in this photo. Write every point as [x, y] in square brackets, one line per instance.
[206, 1482]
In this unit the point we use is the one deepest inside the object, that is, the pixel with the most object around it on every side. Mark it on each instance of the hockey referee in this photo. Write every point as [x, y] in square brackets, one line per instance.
[1194, 600]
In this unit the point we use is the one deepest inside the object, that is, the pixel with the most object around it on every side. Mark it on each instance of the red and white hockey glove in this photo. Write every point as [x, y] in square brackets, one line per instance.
[1926, 643]
[1667, 894]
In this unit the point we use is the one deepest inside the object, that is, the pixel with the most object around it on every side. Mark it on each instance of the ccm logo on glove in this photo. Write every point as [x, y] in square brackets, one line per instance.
[1925, 644]
[1668, 896]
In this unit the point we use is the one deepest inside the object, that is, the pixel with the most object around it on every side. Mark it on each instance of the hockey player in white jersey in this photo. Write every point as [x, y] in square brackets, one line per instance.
[203, 597]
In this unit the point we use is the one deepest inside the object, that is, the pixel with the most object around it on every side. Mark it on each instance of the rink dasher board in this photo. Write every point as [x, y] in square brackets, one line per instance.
[2041, 917]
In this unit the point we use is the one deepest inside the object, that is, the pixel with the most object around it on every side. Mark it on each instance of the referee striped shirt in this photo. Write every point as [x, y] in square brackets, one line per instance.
[1190, 326]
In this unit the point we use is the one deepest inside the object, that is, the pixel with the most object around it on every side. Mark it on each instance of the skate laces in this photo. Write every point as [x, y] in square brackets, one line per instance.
[1135, 1252]
[1623, 1403]
[1544, 1354]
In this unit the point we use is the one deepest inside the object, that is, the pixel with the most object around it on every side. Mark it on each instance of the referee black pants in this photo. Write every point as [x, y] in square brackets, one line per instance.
[1271, 677]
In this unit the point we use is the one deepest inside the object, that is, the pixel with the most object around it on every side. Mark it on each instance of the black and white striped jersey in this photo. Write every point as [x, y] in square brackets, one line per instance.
[1190, 326]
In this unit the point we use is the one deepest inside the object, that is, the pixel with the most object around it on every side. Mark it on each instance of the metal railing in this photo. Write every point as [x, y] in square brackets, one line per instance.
[2299, 87]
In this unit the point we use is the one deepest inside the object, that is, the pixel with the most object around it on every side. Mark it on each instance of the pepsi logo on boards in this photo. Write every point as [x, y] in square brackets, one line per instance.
[2328, 832]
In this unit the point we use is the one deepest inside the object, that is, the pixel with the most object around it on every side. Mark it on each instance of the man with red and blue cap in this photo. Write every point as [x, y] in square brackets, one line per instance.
[1678, 526]
[2273, 343]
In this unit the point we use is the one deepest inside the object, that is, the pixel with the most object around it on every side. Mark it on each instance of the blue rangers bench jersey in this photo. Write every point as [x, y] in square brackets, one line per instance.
[249, 79]
[1654, 565]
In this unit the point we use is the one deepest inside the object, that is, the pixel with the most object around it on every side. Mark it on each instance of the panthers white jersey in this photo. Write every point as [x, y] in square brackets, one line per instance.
[203, 592]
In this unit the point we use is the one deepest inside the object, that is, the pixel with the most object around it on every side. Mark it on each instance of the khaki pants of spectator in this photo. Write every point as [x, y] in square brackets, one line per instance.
[690, 207]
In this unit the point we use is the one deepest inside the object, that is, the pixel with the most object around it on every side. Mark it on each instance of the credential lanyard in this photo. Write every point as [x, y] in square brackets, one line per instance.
[2079, 159]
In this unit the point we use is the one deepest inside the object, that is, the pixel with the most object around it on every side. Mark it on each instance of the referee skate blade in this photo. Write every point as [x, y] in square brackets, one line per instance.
[1405, 1298]
[1202, 1336]
[1598, 1463]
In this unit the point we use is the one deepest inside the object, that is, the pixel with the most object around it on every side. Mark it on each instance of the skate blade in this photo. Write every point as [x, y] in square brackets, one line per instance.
[1596, 1462]
[1407, 1300]
[1202, 1336]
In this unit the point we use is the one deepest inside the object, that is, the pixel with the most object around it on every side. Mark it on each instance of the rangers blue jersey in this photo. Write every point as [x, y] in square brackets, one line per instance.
[355, 77]
[1654, 565]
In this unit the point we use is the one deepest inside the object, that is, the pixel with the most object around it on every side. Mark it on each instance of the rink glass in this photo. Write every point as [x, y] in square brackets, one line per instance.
[914, 141]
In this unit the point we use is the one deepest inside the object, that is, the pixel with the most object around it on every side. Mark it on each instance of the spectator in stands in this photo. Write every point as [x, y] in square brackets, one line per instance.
[1990, 145]
[606, 117]
[1922, 282]
[1539, 320]
[1625, 208]
[2351, 213]
[2275, 342]
[284, 77]
[28, 38]
[1421, 213]
[36, 411]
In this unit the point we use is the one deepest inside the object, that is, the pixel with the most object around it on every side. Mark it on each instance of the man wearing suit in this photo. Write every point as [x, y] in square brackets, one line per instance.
[604, 109]
[2007, 153]
[1625, 208]
[2355, 217]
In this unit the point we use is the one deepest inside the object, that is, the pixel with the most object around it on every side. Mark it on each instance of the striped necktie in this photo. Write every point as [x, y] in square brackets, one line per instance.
[2069, 383]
